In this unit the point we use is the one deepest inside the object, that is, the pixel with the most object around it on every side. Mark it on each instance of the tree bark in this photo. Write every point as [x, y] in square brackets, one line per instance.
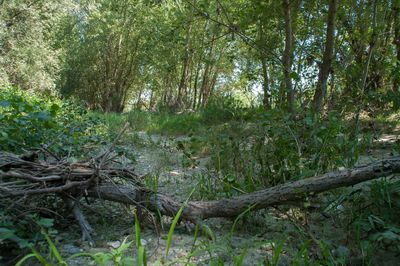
[288, 55]
[325, 68]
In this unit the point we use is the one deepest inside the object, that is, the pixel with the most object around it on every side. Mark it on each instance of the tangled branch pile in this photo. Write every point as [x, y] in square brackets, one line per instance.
[22, 177]
[25, 175]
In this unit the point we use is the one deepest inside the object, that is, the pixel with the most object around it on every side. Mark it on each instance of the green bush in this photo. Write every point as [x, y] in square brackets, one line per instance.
[223, 109]
[29, 121]
[276, 148]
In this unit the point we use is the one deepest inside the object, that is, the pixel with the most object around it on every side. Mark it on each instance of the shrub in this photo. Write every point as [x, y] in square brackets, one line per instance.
[276, 148]
[29, 121]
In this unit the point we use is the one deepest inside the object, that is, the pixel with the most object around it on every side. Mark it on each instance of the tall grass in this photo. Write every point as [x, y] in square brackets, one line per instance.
[218, 111]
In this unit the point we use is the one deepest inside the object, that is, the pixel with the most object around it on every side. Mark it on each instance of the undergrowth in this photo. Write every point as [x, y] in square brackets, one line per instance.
[248, 149]
[30, 121]
[166, 122]
[272, 149]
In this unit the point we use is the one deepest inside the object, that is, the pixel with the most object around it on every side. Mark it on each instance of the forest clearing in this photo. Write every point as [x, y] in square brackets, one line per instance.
[199, 132]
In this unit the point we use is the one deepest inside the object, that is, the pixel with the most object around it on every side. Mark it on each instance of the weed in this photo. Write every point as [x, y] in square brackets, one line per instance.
[141, 252]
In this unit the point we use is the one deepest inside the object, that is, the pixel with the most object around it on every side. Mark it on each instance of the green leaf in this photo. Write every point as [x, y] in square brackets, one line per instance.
[43, 116]
[22, 261]
[9, 234]
[54, 108]
[172, 228]
[6, 233]
[230, 178]
[45, 222]
[137, 231]
[175, 221]
[40, 258]
[295, 76]
[54, 250]
[5, 103]
[141, 259]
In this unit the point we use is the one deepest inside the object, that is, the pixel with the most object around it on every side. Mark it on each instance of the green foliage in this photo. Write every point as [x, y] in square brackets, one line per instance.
[219, 110]
[223, 109]
[275, 149]
[22, 231]
[172, 228]
[37, 255]
[28, 57]
[175, 221]
[375, 220]
[189, 60]
[115, 255]
[277, 251]
[30, 121]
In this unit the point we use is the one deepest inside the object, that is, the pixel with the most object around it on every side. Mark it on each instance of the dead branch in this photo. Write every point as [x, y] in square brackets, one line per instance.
[83, 223]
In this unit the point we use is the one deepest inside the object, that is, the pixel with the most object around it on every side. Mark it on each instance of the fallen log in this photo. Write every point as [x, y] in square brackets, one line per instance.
[280, 194]
[98, 178]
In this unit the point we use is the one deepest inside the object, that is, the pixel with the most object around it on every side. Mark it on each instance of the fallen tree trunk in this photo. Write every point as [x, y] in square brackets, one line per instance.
[281, 194]
[98, 178]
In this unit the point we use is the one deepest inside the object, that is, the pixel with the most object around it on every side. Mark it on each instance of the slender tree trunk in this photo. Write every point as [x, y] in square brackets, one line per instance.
[139, 100]
[204, 84]
[165, 91]
[196, 81]
[325, 68]
[396, 79]
[211, 87]
[185, 69]
[183, 83]
[206, 75]
[288, 55]
[196, 102]
[265, 85]
[333, 95]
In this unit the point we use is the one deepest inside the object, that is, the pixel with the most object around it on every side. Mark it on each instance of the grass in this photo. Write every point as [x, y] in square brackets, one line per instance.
[160, 123]
[169, 123]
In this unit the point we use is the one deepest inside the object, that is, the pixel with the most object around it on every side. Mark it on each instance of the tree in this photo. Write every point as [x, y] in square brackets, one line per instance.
[178, 54]
[326, 64]
[396, 41]
[104, 59]
[287, 57]
[28, 57]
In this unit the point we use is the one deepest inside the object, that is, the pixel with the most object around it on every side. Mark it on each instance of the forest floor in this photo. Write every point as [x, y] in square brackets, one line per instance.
[271, 236]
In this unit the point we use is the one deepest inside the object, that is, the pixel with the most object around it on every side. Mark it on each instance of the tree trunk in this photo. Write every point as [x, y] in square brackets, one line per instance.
[325, 68]
[24, 176]
[196, 81]
[288, 55]
[265, 85]
[264, 68]
[138, 104]
[185, 68]
[396, 79]
[280, 194]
